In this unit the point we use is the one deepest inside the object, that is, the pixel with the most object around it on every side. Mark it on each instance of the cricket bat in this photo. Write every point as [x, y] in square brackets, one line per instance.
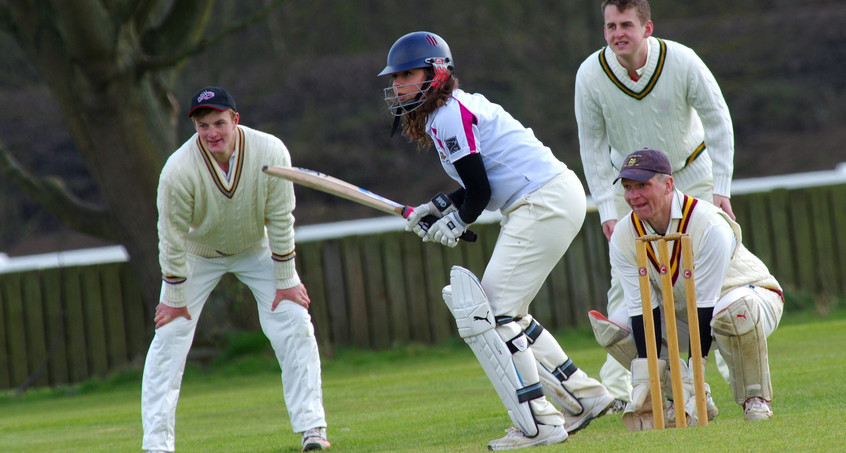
[340, 188]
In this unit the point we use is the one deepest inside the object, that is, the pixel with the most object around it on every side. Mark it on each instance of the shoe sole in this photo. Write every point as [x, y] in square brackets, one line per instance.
[316, 446]
[597, 412]
[547, 441]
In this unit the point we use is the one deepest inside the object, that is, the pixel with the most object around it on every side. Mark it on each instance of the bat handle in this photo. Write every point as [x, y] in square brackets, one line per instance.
[468, 236]
[427, 221]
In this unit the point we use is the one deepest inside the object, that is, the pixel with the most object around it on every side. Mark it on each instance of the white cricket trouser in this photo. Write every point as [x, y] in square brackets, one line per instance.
[615, 377]
[288, 328]
[535, 232]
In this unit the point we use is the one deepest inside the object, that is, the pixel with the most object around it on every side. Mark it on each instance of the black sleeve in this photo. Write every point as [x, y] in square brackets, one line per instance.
[472, 199]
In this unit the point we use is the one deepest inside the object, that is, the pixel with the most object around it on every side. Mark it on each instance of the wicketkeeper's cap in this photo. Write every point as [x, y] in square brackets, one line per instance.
[643, 164]
[212, 97]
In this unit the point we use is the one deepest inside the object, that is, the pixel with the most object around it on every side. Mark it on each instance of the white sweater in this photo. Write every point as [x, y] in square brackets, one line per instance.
[674, 107]
[204, 213]
[743, 267]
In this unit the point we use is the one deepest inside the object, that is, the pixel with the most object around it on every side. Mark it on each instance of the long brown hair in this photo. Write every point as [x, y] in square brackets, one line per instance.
[414, 123]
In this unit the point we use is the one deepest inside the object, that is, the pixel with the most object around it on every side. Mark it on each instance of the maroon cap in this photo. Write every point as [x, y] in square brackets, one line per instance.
[643, 164]
[212, 97]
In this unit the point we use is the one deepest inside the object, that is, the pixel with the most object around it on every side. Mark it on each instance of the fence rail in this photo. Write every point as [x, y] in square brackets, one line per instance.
[61, 325]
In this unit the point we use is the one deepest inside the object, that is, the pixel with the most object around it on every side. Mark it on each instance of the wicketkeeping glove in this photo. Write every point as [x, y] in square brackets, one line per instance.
[426, 214]
[447, 230]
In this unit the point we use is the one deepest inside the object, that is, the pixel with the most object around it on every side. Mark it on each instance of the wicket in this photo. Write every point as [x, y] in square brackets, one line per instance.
[672, 332]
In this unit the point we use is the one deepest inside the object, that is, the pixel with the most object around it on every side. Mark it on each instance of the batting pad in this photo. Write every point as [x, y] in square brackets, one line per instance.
[475, 320]
[743, 343]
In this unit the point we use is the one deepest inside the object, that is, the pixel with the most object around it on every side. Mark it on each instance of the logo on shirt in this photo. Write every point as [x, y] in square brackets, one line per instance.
[452, 145]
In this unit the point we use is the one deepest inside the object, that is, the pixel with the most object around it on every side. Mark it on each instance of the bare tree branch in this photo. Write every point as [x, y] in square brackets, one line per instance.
[88, 30]
[155, 62]
[141, 13]
[54, 196]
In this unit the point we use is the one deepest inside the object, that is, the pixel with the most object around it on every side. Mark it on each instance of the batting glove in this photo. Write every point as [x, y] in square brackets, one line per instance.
[447, 230]
[423, 216]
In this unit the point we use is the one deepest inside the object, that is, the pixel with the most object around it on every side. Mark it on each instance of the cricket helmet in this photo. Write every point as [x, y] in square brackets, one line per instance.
[420, 49]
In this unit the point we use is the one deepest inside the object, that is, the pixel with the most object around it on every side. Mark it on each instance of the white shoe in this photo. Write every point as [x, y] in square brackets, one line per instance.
[710, 405]
[757, 408]
[670, 415]
[514, 438]
[315, 439]
[593, 407]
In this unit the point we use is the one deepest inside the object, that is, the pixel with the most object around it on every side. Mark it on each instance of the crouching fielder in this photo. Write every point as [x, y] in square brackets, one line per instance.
[739, 303]
[500, 165]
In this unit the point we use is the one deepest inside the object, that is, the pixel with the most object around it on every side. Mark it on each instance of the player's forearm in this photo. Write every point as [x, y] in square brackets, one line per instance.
[596, 160]
[599, 175]
[280, 231]
[477, 191]
[710, 105]
[173, 226]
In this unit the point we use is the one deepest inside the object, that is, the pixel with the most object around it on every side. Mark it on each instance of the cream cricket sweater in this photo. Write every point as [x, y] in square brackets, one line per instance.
[675, 107]
[204, 213]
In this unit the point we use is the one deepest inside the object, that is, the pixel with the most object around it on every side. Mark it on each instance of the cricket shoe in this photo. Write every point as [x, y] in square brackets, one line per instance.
[315, 439]
[514, 438]
[670, 415]
[592, 407]
[757, 408]
[710, 405]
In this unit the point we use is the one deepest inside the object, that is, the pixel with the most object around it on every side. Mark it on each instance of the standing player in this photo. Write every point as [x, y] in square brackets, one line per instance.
[644, 92]
[736, 296]
[500, 165]
[219, 213]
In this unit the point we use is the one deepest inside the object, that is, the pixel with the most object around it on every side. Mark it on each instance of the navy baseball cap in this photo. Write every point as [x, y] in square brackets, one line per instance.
[212, 97]
[643, 164]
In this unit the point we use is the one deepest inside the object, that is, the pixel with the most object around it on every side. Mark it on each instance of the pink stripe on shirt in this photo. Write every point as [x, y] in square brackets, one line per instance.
[468, 120]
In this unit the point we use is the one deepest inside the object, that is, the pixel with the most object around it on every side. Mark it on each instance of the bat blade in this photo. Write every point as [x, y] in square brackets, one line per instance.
[340, 188]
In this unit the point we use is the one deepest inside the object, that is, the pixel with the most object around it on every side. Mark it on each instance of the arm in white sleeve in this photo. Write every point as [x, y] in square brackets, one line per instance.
[706, 98]
[175, 205]
[711, 261]
[595, 150]
[279, 220]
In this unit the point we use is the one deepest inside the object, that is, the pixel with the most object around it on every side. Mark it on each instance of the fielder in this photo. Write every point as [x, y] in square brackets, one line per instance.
[500, 165]
[219, 213]
[739, 303]
[644, 92]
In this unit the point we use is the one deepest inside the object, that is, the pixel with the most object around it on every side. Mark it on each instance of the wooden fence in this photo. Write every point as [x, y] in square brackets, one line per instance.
[67, 324]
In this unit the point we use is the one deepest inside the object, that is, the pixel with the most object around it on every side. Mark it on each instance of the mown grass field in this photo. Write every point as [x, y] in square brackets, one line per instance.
[428, 399]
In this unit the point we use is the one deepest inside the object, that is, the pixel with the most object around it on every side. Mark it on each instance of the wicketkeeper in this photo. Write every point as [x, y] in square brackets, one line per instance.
[500, 165]
[739, 302]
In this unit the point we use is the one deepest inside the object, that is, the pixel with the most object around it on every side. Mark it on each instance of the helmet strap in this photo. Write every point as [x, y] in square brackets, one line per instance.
[396, 125]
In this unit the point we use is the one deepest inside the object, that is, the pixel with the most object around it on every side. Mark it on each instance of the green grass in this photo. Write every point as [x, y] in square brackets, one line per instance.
[428, 399]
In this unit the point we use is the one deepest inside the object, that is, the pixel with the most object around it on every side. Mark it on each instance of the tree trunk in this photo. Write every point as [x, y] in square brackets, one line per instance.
[122, 133]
